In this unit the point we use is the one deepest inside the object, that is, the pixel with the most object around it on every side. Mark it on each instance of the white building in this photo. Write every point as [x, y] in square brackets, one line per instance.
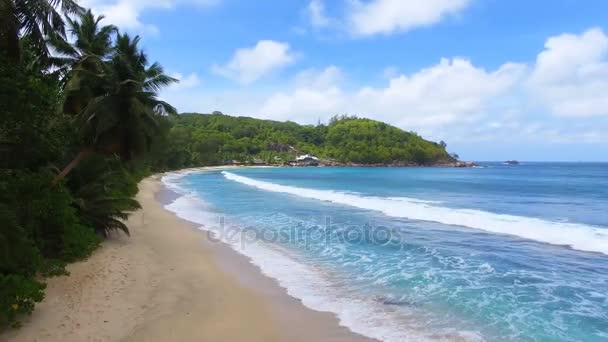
[306, 157]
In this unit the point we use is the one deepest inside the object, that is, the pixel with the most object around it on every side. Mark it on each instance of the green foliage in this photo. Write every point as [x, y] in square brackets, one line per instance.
[121, 118]
[78, 242]
[99, 103]
[53, 268]
[30, 132]
[36, 19]
[214, 139]
[371, 142]
[18, 295]
[18, 252]
[48, 216]
[103, 191]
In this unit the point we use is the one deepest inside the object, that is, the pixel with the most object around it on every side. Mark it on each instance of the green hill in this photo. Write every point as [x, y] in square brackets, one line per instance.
[215, 139]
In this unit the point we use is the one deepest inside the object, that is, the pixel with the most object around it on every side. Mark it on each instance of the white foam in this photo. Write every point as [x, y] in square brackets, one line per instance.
[577, 236]
[360, 315]
[170, 179]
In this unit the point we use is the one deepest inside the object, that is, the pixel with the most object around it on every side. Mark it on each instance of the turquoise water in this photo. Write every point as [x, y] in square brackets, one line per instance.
[493, 253]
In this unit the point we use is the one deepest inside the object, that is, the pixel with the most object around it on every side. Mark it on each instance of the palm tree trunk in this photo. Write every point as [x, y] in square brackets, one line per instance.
[84, 153]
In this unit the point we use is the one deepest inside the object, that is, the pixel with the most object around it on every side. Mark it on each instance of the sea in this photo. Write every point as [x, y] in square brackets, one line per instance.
[491, 253]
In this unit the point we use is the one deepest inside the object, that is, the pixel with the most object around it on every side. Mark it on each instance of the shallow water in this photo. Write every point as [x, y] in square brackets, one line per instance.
[494, 253]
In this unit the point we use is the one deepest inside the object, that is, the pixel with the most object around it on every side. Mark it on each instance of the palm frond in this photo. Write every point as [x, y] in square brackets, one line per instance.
[156, 78]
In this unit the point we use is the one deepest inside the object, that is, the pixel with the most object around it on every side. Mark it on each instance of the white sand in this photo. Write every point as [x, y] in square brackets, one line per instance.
[166, 283]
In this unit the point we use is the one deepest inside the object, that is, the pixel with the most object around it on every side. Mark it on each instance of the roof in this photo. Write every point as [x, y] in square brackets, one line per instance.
[305, 157]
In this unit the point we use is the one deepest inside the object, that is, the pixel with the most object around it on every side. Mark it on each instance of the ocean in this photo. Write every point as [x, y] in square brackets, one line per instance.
[492, 253]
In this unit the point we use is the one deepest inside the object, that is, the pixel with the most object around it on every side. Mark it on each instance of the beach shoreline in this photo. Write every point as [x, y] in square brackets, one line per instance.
[169, 282]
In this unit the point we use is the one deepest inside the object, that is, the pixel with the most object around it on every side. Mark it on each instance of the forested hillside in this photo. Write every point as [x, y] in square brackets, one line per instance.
[214, 139]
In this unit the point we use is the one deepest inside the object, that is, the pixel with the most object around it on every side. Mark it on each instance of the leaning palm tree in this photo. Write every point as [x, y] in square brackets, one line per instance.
[121, 120]
[80, 64]
[36, 19]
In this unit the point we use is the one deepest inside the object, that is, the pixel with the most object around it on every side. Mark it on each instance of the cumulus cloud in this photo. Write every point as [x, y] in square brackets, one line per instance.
[570, 76]
[185, 81]
[126, 13]
[316, 95]
[451, 90]
[389, 16]
[249, 64]
[322, 79]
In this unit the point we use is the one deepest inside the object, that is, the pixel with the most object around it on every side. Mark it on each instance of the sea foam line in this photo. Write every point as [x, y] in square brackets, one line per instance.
[577, 236]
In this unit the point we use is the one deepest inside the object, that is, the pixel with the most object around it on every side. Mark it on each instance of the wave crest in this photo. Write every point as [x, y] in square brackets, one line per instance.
[577, 236]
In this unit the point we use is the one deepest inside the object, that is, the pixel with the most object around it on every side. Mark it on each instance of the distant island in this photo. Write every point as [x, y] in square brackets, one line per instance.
[218, 139]
[511, 162]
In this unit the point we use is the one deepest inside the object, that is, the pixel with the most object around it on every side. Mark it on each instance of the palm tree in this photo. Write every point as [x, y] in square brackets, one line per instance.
[82, 62]
[103, 192]
[36, 19]
[121, 119]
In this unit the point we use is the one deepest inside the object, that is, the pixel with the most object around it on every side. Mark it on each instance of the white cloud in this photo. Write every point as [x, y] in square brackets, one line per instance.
[185, 81]
[571, 75]
[569, 78]
[316, 14]
[389, 16]
[313, 78]
[449, 91]
[249, 64]
[390, 72]
[316, 95]
[126, 13]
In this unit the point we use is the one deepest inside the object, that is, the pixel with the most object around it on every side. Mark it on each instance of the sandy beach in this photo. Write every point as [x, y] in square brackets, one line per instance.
[167, 283]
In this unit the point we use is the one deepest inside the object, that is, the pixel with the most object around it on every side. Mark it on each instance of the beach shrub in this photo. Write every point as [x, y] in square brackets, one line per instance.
[19, 261]
[53, 268]
[103, 191]
[49, 218]
[18, 253]
[18, 296]
[78, 242]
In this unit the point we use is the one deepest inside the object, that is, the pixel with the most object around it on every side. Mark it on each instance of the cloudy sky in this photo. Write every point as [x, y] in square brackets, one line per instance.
[495, 79]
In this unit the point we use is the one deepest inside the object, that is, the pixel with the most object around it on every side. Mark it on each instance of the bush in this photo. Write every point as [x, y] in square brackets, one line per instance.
[48, 217]
[18, 295]
[78, 242]
[53, 268]
[18, 253]
[39, 232]
[103, 191]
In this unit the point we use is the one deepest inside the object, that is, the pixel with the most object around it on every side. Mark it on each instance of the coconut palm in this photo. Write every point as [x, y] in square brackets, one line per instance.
[82, 62]
[121, 119]
[103, 191]
[36, 19]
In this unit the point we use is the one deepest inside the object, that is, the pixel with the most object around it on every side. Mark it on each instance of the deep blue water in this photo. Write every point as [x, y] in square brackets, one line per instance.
[494, 253]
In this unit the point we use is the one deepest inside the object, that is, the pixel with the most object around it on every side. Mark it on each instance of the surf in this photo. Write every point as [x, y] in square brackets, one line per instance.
[574, 235]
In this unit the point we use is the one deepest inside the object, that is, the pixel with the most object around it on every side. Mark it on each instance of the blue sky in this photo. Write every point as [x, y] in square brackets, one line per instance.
[495, 79]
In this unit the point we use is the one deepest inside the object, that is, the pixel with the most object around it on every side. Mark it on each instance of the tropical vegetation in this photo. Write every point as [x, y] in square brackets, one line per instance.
[80, 113]
[215, 139]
